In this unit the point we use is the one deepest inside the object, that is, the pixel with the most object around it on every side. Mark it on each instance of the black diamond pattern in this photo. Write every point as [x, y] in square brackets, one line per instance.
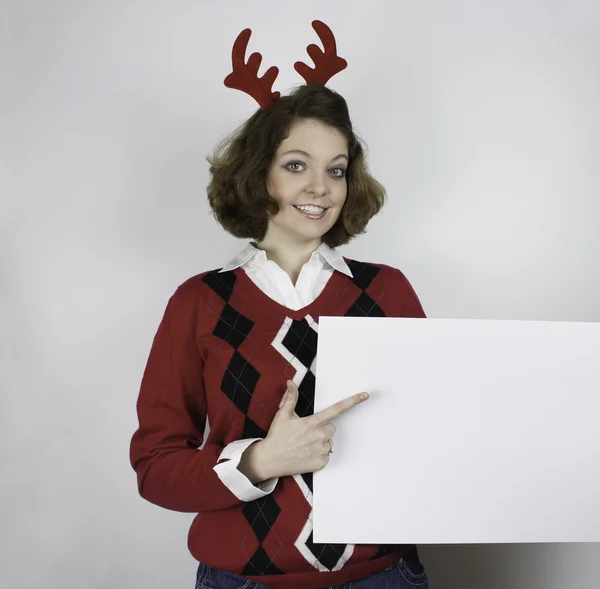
[362, 273]
[260, 564]
[301, 341]
[306, 397]
[232, 326]
[239, 381]
[222, 283]
[308, 479]
[251, 430]
[261, 515]
[365, 306]
[328, 554]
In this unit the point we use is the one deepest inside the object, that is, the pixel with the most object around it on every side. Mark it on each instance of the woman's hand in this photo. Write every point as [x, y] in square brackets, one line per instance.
[297, 445]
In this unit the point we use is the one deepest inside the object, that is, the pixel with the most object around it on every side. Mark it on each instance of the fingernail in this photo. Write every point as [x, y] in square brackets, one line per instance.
[282, 399]
[364, 396]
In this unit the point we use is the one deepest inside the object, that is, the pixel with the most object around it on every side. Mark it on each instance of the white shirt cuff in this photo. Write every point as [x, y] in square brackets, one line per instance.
[236, 481]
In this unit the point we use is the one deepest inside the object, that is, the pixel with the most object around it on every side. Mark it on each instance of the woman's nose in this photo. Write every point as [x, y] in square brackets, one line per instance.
[317, 184]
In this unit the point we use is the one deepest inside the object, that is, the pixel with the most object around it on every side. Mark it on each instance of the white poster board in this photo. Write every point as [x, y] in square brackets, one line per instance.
[476, 431]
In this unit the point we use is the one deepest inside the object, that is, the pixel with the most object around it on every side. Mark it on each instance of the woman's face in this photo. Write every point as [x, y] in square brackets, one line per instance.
[307, 177]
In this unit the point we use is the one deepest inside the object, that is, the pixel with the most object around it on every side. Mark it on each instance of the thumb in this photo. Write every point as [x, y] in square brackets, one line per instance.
[289, 400]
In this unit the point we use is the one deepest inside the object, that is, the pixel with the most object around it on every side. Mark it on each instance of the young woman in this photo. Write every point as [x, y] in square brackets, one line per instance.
[232, 341]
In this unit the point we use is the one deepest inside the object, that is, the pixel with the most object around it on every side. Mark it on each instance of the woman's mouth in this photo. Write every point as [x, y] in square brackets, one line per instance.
[311, 211]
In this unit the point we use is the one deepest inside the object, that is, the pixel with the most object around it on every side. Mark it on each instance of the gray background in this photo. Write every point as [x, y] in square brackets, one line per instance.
[482, 122]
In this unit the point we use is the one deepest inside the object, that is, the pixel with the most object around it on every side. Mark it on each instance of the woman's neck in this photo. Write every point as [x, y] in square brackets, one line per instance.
[289, 257]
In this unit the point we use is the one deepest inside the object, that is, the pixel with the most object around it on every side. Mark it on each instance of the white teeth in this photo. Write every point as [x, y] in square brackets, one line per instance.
[314, 210]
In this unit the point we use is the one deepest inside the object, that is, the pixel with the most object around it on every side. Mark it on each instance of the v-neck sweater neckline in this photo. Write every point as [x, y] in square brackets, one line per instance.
[333, 290]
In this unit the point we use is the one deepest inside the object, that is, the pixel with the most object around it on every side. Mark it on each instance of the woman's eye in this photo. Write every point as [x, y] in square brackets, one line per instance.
[293, 166]
[297, 167]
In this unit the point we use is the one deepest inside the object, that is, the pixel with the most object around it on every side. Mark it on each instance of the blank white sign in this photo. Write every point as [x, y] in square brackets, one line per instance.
[477, 431]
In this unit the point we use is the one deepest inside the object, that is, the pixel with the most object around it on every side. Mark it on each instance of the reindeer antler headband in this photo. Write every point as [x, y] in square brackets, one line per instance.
[244, 76]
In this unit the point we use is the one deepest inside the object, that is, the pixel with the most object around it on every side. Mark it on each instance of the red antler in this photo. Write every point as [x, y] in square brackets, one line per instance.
[327, 63]
[244, 76]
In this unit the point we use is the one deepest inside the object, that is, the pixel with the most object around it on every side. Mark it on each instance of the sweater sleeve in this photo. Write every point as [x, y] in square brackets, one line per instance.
[172, 472]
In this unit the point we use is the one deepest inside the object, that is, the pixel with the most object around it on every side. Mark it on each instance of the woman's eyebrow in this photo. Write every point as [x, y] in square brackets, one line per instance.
[306, 154]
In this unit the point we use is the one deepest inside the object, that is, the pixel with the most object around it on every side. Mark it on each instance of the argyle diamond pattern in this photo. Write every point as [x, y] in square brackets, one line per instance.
[260, 564]
[306, 395]
[297, 342]
[252, 430]
[261, 515]
[301, 341]
[221, 282]
[364, 306]
[328, 554]
[238, 383]
[233, 327]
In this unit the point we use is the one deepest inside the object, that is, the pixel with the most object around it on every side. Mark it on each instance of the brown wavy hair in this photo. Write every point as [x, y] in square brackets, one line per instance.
[237, 192]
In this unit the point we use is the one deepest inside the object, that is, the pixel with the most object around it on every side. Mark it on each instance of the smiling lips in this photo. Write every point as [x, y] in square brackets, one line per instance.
[311, 211]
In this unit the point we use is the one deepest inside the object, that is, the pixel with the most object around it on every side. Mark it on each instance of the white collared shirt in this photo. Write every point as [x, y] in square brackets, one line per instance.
[277, 285]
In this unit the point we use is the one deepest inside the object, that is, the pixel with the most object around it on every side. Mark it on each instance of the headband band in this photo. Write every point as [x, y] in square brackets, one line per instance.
[244, 76]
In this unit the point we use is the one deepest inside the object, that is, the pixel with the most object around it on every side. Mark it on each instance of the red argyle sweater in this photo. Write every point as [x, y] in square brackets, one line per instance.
[225, 350]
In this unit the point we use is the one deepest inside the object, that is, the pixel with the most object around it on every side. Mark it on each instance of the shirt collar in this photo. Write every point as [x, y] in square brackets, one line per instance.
[334, 259]
[241, 259]
[330, 255]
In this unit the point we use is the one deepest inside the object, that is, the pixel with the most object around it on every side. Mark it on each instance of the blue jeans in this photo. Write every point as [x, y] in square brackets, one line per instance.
[407, 573]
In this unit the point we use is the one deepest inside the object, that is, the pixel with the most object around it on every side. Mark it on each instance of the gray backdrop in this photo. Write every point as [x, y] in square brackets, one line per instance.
[482, 122]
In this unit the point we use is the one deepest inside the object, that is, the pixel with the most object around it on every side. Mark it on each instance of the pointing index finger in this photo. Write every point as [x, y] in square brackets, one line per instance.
[338, 408]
